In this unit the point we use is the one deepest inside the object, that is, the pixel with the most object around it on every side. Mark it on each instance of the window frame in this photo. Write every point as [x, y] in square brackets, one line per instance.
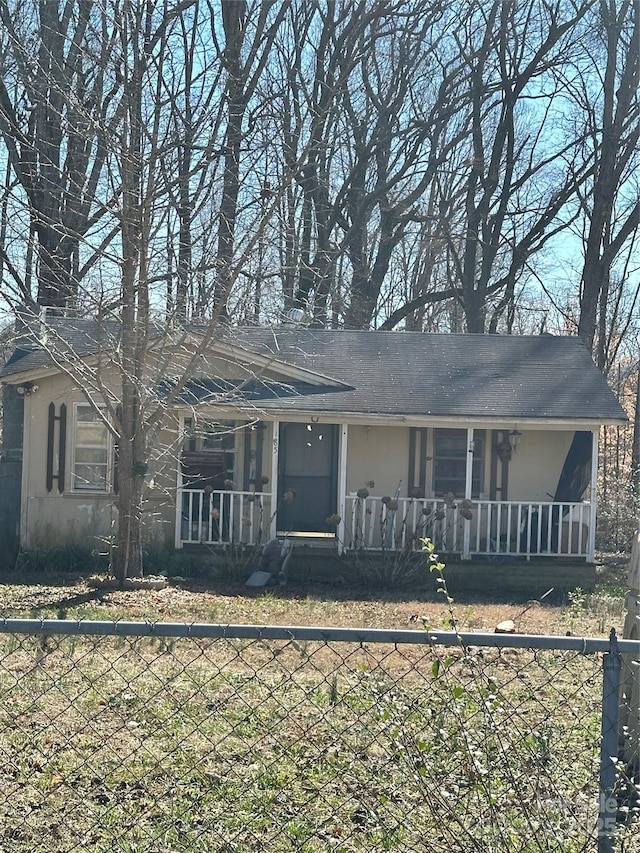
[203, 437]
[106, 486]
[456, 485]
[208, 439]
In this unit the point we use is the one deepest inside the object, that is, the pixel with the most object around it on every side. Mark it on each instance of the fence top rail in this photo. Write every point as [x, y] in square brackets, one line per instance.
[586, 645]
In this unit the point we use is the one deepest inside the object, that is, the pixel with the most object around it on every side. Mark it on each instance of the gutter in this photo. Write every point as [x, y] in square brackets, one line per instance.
[390, 419]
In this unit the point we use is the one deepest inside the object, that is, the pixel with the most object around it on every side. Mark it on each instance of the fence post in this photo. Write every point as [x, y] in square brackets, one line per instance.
[611, 665]
[630, 678]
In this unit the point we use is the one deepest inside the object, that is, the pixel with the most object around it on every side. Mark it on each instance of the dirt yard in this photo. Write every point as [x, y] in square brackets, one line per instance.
[312, 604]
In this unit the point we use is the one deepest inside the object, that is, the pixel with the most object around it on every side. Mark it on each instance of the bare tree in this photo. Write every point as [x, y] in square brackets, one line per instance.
[635, 442]
[249, 36]
[612, 117]
[57, 105]
[144, 140]
[442, 118]
[510, 184]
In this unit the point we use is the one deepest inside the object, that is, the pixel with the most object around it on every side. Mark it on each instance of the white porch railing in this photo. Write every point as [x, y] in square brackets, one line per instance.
[222, 517]
[511, 528]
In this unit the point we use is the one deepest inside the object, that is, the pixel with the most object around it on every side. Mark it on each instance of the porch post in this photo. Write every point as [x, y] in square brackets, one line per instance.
[275, 441]
[342, 486]
[591, 546]
[468, 488]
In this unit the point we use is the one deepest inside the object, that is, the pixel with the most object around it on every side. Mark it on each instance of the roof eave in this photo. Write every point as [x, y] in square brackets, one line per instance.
[29, 374]
[388, 419]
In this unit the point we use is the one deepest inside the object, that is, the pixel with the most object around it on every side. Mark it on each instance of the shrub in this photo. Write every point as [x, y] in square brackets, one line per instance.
[618, 512]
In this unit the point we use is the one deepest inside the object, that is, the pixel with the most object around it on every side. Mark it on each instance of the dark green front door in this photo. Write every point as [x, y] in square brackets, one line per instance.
[307, 477]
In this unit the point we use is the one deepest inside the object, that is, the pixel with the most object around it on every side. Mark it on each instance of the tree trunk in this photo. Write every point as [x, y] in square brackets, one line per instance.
[51, 117]
[635, 447]
[618, 133]
[131, 471]
[135, 317]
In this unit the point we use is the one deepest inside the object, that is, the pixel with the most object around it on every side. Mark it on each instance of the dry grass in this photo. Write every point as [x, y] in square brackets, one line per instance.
[170, 746]
[167, 746]
[222, 602]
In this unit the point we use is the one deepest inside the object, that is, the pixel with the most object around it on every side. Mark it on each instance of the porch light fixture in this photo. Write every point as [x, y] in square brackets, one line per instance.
[514, 439]
[26, 389]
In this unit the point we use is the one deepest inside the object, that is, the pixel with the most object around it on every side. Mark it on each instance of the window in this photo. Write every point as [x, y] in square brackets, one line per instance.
[219, 436]
[210, 435]
[450, 462]
[209, 453]
[91, 451]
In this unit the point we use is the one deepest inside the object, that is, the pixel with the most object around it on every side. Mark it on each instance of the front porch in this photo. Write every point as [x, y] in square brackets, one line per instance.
[466, 528]
[471, 491]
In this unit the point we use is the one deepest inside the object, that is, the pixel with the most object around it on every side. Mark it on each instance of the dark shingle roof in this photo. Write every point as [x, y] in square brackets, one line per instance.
[68, 337]
[404, 373]
[539, 376]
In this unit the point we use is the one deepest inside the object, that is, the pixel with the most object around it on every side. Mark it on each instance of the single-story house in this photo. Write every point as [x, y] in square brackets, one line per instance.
[487, 444]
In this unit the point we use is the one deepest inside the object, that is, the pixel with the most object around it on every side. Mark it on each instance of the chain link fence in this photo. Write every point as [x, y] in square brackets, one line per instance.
[164, 738]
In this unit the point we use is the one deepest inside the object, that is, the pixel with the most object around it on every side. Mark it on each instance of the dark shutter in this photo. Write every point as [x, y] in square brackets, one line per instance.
[246, 459]
[417, 459]
[116, 453]
[51, 426]
[62, 447]
[259, 453]
[61, 420]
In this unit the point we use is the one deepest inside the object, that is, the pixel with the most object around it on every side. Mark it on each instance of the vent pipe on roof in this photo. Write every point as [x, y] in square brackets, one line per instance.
[49, 311]
[292, 318]
[31, 324]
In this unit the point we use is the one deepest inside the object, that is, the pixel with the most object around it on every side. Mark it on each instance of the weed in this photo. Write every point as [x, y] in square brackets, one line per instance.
[333, 690]
[598, 608]
[72, 559]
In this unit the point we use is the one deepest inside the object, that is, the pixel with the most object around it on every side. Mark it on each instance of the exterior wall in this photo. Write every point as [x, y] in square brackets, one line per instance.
[534, 469]
[50, 518]
[10, 475]
[380, 454]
